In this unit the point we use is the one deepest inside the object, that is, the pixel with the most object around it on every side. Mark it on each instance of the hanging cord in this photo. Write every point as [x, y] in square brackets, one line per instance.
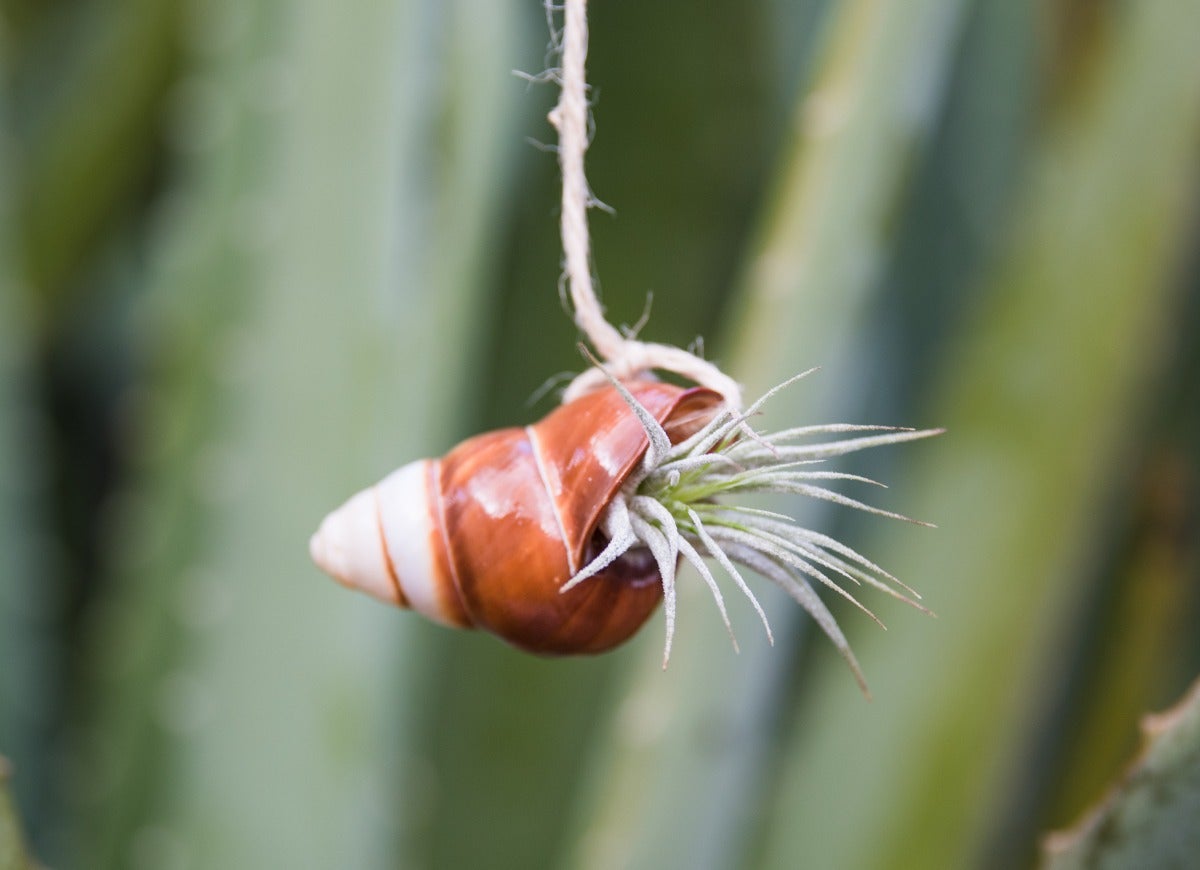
[623, 357]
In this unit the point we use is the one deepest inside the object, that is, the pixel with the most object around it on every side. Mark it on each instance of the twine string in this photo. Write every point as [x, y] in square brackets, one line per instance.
[623, 357]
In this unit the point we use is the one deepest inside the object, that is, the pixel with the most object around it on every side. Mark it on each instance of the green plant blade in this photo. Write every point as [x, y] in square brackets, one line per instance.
[29, 650]
[308, 338]
[87, 149]
[12, 840]
[1037, 404]
[1149, 818]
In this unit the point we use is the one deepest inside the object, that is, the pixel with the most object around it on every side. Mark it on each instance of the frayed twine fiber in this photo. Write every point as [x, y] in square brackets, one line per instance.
[623, 357]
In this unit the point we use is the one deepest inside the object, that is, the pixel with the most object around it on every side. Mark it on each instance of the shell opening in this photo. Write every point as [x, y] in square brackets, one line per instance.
[635, 567]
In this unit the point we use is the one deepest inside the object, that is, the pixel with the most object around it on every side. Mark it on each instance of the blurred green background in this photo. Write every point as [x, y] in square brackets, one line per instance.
[256, 253]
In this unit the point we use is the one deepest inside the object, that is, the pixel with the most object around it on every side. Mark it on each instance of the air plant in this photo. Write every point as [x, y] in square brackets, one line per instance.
[499, 533]
[685, 500]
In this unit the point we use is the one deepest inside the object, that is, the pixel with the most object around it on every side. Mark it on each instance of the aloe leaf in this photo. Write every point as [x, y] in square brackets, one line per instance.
[306, 336]
[12, 841]
[1038, 404]
[1148, 818]
[29, 653]
[87, 147]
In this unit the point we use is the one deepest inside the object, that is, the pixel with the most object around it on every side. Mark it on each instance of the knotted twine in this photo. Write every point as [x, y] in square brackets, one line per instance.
[622, 356]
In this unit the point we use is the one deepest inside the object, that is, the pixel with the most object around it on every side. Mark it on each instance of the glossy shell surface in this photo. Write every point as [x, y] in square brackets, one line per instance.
[487, 535]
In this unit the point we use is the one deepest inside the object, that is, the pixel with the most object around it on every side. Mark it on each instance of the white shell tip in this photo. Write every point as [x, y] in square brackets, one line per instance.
[349, 548]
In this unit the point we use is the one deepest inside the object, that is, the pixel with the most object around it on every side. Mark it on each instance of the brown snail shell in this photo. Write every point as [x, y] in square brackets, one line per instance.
[485, 536]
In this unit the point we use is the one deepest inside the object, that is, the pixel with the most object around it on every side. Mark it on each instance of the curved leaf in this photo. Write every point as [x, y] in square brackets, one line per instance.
[1149, 818]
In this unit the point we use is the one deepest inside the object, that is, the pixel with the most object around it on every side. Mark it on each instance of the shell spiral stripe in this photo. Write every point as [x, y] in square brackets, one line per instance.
[488, 535]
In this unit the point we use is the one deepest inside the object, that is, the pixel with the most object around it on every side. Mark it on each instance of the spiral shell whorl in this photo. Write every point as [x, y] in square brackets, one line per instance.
[488, 535]
[388, 541]
[410, 520]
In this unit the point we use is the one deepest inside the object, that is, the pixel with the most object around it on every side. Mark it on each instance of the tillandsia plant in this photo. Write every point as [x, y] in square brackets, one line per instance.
[563, 536]
[672, 506]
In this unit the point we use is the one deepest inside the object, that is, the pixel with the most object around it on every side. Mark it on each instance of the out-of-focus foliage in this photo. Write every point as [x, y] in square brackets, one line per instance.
[12, 839]
[1149, 820]
[255, 254]
[1085, 286]
[30, 635]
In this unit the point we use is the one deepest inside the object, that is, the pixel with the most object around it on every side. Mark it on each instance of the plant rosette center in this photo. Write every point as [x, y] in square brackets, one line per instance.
[686, 500]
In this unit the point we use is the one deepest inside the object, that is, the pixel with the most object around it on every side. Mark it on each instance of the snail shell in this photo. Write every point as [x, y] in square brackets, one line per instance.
[485, 536]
